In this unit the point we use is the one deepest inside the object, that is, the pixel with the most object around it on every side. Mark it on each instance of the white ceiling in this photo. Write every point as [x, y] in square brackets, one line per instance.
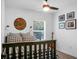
[36, 4]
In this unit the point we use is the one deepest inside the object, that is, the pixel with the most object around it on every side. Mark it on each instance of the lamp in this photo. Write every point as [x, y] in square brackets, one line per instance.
[7, 29]
[7, 26]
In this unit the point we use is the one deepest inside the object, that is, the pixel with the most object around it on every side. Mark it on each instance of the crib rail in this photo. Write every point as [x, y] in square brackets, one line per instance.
[29, 50]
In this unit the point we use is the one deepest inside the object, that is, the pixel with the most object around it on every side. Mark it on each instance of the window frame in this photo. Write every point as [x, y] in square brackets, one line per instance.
[41, 30]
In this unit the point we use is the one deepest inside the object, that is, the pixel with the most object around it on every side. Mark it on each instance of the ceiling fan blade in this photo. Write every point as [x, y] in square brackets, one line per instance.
[55, 8]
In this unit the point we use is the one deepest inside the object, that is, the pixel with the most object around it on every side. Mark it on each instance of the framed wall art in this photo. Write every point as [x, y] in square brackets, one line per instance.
[71, 15]
[70, 24]
[20, 23]
[62, 17]
[61, 25]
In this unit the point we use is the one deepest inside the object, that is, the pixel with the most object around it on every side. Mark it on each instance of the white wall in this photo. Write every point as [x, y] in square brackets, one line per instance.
[29, 16]
[2, 20]
[66, 39]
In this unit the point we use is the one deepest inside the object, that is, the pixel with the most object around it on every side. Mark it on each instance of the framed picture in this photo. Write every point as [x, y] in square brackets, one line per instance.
[62, 17]
[70, 24]
[61, 25]
[20, 23]
[71, 15]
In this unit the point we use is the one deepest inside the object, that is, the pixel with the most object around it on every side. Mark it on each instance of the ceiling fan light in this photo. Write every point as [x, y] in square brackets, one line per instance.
[46, 6]
[46, 9]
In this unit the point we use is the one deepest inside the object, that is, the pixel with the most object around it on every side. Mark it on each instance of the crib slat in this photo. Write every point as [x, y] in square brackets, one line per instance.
[43, 51]
[54, 49]
[14, 53]
[30, 51]
[25, 52]
[7, 51]
[51, 52]
[39, 51]
[3, 56]
[19, 52]
[47, 50]
[35, 52]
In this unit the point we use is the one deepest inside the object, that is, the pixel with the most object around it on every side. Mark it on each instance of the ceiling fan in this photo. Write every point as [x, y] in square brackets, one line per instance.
[46, 6]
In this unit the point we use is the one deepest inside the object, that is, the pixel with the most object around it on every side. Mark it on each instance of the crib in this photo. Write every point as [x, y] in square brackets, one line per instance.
[29, 50]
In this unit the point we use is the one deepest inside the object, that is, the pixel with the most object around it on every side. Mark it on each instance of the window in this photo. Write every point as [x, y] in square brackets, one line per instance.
[39, 29]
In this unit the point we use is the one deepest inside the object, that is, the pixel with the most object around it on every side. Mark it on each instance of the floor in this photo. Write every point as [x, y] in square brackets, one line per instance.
[61, 55]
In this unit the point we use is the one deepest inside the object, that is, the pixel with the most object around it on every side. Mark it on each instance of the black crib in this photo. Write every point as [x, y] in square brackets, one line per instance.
[29, 50]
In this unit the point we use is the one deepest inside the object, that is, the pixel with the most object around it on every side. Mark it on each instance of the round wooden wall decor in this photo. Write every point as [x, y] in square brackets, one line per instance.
[20, 23]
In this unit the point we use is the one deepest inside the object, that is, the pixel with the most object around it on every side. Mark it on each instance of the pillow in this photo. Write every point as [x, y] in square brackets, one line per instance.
[14, 37]
[27, 37]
